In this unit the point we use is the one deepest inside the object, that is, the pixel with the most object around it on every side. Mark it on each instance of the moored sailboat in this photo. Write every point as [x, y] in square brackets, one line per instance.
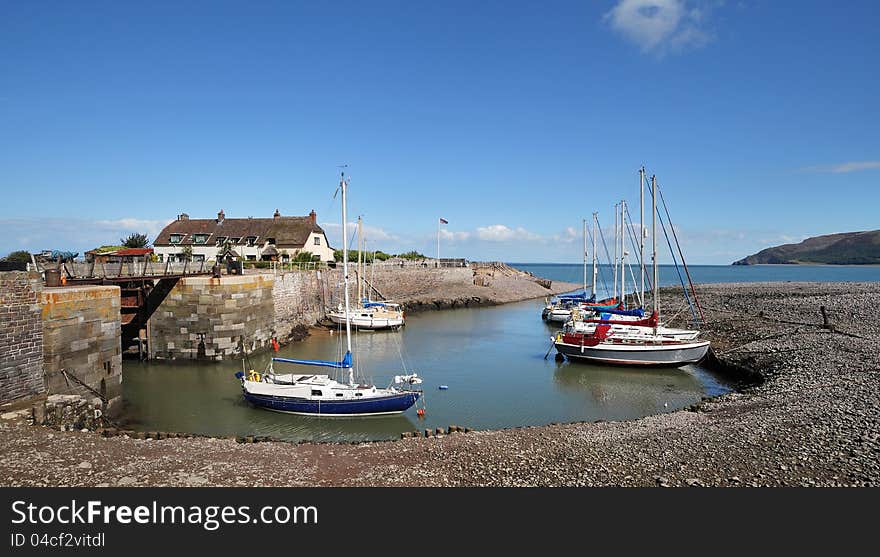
[319, 394]
[625, 341]
[367, 313]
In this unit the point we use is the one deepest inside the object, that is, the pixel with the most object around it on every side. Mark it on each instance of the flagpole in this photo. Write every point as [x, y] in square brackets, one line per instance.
[438, 242]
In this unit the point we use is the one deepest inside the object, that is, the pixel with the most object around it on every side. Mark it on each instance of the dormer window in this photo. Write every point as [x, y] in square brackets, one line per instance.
[175, 238]
[270, 241]
[221, 240]
[251, 240]
[234, 241]
[200, 238]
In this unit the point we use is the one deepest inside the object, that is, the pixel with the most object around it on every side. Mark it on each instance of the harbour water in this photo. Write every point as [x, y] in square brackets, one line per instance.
[491, 359]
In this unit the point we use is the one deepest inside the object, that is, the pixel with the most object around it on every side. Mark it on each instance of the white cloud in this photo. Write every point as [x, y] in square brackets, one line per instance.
[143, 226]
[659, 25]
[77, 235]
[502, 233]
[372, 234]
[843, 168]
[454, 236]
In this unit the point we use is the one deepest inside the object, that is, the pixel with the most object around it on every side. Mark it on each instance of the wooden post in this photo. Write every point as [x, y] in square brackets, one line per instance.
[826, 322]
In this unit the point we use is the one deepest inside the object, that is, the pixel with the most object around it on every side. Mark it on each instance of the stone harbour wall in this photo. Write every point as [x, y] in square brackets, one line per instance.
[299, 299]
[81, 329]
[21, 337]
[212, 318]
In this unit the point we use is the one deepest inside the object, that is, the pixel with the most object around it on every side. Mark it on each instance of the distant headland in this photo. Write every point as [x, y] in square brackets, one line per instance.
[846, 248]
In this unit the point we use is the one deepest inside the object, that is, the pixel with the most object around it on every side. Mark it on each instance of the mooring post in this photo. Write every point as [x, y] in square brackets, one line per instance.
[826, 323]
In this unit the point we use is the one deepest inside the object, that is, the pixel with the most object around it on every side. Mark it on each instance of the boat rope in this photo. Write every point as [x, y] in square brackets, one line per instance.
[683, 262]
[636, 250]
[675, 261]
[599, 272]
[607, 255]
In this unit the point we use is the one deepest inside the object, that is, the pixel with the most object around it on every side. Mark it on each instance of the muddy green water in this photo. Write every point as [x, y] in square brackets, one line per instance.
[491, 359]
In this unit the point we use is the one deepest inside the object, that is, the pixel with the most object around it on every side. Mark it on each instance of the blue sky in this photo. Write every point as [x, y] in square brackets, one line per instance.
[512, 120]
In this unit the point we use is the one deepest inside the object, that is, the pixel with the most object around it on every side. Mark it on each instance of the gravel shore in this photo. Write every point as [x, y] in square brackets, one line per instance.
[807, 414]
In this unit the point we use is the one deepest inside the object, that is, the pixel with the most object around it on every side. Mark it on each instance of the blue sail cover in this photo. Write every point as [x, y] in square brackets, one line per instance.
[581, 296]
[344, 364]
[374, 304]
[638, 312]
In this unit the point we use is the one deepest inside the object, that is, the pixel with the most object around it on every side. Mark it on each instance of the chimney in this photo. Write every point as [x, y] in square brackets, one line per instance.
[314, 216]
[221, 216]
[182, 216]
[277, 214]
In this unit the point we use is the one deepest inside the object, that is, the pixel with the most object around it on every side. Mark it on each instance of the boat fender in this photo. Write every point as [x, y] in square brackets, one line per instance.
[444, 387]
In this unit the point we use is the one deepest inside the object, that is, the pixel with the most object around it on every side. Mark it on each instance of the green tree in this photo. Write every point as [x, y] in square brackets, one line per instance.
[135, 240]
[18, 256]
[413, 255]
[187, 251]
[306, 257]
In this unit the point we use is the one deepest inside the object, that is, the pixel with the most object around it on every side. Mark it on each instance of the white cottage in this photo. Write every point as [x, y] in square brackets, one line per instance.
[254, 239]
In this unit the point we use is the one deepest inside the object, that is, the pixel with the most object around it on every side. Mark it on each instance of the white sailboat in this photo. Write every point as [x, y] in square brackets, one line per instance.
[561, 309]
[319, 394]
[367, 313]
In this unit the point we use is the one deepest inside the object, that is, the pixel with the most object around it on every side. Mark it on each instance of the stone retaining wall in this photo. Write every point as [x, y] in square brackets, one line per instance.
[211, 318]
[81, 328]
[299, 299]
[21, 337]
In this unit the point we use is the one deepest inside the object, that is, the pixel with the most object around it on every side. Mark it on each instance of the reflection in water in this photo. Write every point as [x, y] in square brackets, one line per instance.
[613, 393]
[492, 360]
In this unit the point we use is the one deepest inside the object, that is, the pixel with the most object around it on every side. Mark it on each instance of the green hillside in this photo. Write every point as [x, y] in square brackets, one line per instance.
[848, 248]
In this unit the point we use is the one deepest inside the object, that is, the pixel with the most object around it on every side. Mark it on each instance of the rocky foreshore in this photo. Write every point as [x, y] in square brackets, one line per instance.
[807, 413]
[479, 285]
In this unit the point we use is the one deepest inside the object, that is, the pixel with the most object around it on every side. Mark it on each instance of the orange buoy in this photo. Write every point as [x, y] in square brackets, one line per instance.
[275, 344]
[420, 412]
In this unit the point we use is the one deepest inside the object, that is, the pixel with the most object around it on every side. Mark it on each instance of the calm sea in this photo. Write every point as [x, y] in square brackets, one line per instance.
[711, 273]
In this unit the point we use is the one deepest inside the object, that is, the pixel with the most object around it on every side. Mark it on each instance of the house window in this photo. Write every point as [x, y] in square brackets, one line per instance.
[317, 392]
[251, 257]
[176, 238]
[198, 257]
[317, 240]
[270, 241]
[200, 238]
[221, 240]
[251, 240]
[234, 241]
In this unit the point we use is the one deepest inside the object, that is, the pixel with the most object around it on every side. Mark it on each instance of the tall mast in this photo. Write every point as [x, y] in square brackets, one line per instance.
[361, 261]
[345, 274]
[614, 263]
[642, 233]
[654, 240]
[585, 258]
[595, 253]
[622, 252]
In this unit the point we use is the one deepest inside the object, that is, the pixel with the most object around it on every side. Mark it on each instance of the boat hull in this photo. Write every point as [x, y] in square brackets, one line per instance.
[371, 406]
[369, 322]
[663, 355]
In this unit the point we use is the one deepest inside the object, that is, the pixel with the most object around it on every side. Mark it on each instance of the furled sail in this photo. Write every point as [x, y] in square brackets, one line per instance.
[344, 364]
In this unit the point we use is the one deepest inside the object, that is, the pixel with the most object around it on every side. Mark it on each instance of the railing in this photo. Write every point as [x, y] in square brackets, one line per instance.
[129, 269]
